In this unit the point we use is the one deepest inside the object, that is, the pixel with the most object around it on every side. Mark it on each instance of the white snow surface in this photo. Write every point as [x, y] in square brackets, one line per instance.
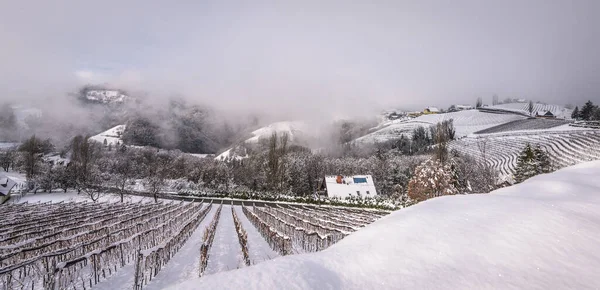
[225, 253]
[541, 234]
[258, 248]
[112, 135]
[186, 262]
[59, 195]
[295, 129]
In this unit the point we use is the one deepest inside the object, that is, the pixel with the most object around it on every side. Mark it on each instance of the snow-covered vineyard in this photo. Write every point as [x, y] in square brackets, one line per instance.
[565, 148]
[146, 245]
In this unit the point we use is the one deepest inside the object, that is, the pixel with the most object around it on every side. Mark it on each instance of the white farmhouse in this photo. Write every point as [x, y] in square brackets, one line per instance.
[6, 184]
[346, 186]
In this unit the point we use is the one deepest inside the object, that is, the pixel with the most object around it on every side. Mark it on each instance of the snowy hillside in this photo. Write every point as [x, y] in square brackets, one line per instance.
[106, 96]
[296, 130]
[566, 146]
[541, 234]
[538, 108]
[466, 122]
[112, 136]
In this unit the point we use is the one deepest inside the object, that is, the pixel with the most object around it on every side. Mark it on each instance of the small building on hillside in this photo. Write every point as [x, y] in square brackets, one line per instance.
[414, 114]
[6, 185]
[347, 186]
[463, 107]
[431, 110]
[547, 115]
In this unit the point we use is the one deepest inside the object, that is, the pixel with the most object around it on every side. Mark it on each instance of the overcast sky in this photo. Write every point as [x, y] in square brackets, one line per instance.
[306, 55]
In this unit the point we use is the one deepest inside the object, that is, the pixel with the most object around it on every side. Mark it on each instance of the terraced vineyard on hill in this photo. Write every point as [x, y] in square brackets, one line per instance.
[526, 124]
[565, 148]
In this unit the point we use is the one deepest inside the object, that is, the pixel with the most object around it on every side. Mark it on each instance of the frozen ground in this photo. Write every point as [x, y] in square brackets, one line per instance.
[185, 264]
[225, 253]
[59, 196]
[541, 234]
[258, 248]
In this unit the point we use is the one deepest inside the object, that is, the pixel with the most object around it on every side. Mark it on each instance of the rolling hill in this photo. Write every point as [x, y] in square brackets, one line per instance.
[465, 122]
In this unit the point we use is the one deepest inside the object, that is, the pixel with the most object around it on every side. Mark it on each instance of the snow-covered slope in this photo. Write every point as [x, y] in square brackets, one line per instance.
[465, 122]
[112, 136]
[296, 130]
[558, 111]
[106, 96]
[541, 234]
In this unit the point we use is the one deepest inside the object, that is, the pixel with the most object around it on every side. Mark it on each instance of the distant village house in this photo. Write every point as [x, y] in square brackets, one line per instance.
[547, 115]
[431, 110]
[347, 186]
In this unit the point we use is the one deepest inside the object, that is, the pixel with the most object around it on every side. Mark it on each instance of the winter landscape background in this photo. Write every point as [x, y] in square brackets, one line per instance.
[308, 145]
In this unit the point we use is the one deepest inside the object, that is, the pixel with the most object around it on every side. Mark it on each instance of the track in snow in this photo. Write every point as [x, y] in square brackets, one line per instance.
[258, 249]
[225, 253]
[184, 265]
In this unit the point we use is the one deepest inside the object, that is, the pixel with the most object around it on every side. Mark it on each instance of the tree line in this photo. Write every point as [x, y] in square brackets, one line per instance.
[588, 112]
[276, 166]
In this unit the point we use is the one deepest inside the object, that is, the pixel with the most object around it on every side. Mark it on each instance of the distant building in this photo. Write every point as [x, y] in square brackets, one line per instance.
[463, 107]
[395, 116]
[346, 186]
[547, 115]
[414, 114]
[431, 110]
[6, 184]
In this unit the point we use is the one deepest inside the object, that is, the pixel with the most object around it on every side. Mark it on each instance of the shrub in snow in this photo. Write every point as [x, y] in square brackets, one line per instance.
[431, 179]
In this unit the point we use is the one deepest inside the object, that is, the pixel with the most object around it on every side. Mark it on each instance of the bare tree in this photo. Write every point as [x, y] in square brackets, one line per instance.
[122, 168]
[276, 159]
[530, 108]
[7, 158]
[482, 146]
[158, 170]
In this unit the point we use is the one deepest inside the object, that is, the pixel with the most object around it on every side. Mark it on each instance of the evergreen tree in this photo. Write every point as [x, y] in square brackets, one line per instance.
[587, 111]
[542, 160]
[575, 114]
[596, 114]
[526, 165]
[531, 162]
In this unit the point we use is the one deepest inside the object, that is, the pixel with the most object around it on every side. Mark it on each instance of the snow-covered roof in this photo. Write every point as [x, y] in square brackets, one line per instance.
[463, 107]
[6, 184]
[345, 186]
[433, 109]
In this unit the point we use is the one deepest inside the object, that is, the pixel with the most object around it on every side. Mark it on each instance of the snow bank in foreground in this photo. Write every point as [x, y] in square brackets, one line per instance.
[541, 234]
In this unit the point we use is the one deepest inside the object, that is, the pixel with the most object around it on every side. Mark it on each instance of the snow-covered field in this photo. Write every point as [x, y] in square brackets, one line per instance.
[465, 122]
[541, 234]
